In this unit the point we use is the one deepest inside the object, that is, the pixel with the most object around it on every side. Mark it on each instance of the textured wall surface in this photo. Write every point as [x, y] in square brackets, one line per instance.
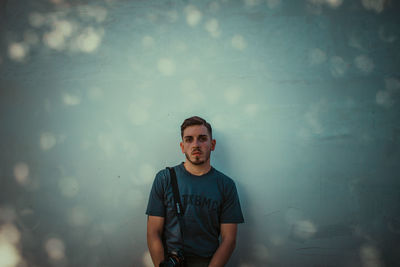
[303, 97]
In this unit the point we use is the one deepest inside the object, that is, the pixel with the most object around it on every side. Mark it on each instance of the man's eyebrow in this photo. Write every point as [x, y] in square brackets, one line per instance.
[189, 136]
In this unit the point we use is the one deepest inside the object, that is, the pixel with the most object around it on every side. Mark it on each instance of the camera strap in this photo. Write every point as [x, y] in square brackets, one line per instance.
[177, 202]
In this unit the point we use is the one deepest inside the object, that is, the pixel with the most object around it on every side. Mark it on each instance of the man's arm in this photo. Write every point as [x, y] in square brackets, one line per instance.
[227, 245]
[155, 227]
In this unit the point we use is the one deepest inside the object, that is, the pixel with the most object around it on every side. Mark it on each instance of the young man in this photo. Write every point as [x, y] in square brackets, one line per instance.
[211, 207]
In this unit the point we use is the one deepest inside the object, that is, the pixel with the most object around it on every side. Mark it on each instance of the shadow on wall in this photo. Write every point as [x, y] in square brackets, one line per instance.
[242, 256]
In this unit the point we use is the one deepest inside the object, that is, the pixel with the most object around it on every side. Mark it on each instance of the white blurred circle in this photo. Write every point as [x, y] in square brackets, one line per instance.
[89, 40]
[9, 256]
[148, 41]
[47, 140]
[193, 15]
[212, 27]
[384, 98]
[166, 66]
[338, 66]
[71, 99]
[238, 42]
[17, 51]
[364, 63]
[21, 173]
[9, 233]
[55, 249]
[78, 216]
[304, 229]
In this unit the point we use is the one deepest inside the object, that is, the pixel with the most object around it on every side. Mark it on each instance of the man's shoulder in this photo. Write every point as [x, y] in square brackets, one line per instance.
[162, 175]
[225, 179]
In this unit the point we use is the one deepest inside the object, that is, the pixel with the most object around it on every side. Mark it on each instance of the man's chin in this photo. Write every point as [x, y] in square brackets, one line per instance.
[197, 162]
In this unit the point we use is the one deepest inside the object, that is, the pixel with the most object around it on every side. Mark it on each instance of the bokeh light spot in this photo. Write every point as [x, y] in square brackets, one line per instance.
[213, 28]
[68, 186]
[70, 99]
[384, 98]
[364, 63]
[317, 56]
[47, 140]
[338, 66]
[21, 173]
[375, 5]
[232, 95]
[9, 233]
[63, 26]
[9, 256]
[251, 109]
[55, 249]
[277, 240]
[18, 51]
[37, 20]
[370, 256]
[78, 216]
[89, 40]
[238, 42]
[329, 3]
[193, 15]
[148, 41]
[166, 66]
[304, 229]
[54, 40]
[95, 93]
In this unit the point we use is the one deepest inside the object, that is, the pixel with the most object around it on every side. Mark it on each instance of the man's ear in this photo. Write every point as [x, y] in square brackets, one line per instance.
[213, 143]
[181, 145]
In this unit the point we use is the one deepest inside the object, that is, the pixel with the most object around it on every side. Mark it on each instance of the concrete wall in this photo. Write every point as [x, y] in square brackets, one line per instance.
[303, 97]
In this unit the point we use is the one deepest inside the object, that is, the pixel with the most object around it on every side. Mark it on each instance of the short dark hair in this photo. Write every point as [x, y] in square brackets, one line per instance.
[195, 120]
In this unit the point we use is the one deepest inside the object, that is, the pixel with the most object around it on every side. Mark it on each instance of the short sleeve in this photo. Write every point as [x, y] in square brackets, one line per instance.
[231, 210]
[155, 206]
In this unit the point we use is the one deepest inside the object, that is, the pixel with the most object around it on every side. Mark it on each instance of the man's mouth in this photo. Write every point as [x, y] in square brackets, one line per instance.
[196, 153]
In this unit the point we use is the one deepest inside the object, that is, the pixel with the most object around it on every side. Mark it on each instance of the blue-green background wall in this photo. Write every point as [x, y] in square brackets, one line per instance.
[303, 97]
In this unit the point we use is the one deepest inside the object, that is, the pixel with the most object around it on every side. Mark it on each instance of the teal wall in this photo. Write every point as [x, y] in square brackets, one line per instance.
[303, 97]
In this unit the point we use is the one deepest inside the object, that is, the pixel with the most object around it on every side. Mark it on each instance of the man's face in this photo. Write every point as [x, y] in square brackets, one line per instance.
[197, 144]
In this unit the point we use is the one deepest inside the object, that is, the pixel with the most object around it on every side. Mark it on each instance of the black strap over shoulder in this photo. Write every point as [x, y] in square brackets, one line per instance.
[175, 189]
[177, 202]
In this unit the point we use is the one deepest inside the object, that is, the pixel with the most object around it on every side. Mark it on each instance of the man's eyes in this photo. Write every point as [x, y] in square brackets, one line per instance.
[202, 139]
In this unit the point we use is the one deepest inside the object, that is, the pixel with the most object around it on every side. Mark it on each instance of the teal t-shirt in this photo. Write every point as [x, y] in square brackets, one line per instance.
[208, 200]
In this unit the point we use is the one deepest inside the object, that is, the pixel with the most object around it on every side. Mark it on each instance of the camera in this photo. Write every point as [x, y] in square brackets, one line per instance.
[174, 259]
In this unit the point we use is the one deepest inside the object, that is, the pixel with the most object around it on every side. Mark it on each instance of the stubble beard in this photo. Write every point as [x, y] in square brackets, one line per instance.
[198, 162]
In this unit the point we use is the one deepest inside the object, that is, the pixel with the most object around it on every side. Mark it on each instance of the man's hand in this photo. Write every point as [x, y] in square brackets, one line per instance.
[227, 245]
[155, 227]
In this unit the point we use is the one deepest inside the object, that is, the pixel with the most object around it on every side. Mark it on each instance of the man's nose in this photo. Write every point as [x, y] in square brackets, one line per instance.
[196, 142]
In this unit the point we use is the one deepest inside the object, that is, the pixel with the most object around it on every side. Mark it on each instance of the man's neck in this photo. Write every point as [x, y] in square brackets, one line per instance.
[197, 169]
